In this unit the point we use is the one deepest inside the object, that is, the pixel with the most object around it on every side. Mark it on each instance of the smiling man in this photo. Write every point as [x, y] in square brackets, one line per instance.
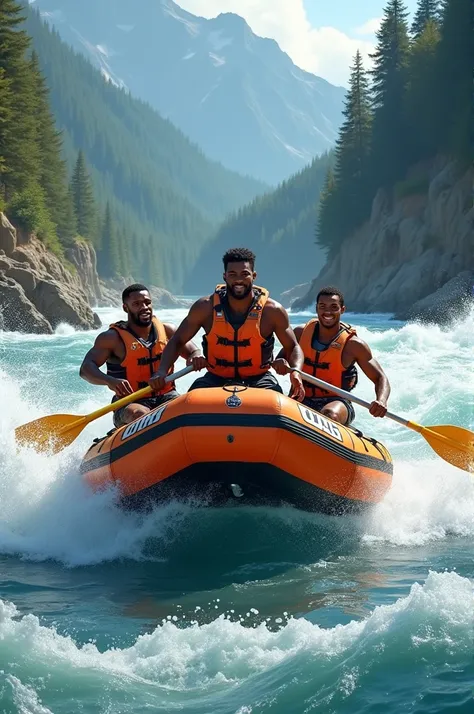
[240, 322]
[332, 350]
[132, 350]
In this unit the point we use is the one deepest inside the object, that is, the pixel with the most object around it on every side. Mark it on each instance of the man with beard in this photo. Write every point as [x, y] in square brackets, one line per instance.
[132, 349]
[240, 322]
[332, 350]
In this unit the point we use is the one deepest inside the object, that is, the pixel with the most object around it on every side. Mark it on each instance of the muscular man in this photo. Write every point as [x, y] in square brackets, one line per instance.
[132, 350]
[332, 350]
[240, 322]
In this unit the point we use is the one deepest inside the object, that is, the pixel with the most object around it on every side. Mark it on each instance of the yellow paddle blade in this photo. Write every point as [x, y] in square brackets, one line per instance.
[453, 443]
[50, 433]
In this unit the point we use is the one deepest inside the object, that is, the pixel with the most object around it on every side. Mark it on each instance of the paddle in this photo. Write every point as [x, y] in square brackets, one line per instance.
[453, 443]
[54, 433]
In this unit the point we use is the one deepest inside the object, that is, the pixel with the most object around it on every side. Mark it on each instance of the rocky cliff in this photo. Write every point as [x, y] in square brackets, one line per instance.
[37, 291]
[415, 256]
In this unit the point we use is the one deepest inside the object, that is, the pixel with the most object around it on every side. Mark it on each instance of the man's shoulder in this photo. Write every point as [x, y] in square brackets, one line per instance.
[203, 303]
[274, 306]
[356, 346]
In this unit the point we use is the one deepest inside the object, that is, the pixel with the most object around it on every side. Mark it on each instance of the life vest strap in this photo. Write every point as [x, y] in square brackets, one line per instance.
[228, 363]
[318, 365]
[232, 343]
[143, 361]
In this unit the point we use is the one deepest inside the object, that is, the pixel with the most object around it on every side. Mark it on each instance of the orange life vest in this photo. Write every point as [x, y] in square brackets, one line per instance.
[242, 352]
[141, 358]
[327, 364]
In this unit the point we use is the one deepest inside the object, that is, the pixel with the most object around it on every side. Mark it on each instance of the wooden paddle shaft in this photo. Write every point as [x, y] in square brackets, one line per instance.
[346, 395]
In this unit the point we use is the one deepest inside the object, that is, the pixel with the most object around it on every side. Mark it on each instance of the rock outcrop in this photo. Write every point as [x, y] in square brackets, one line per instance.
[288, 297]
[37, 291]
[415, 257]
[111, 291]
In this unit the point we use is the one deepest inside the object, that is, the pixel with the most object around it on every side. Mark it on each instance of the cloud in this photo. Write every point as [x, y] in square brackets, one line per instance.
[325, 51]
[369, 28]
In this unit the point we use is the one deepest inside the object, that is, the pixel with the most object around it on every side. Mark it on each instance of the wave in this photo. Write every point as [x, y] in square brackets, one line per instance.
[199, 668]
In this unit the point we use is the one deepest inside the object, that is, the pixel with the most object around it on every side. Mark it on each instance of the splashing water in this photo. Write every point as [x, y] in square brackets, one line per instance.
[244, 611]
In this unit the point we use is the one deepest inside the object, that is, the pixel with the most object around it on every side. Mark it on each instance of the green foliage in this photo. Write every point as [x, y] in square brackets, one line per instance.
[454, 117]
[427, 11]
[345, 201]
[421, 97]
[83, 200]
[109, 257]
[32, 172]
[390, 77]
[422, 104]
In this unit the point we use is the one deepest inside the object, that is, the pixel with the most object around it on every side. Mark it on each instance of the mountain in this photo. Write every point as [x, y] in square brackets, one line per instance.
[237, 95]
[278, 227]
[158, 184]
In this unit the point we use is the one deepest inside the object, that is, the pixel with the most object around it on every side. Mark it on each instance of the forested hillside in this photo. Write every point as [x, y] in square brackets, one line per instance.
[278, 227]
[158, 198]
[417, 102]
[397, 215]
[33, 176]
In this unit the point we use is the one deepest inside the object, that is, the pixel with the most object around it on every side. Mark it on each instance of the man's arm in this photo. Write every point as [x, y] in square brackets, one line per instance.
[360, 351]
[298, 330]
[102, 350]
[191, 324]
[189, 351]
[291, 350]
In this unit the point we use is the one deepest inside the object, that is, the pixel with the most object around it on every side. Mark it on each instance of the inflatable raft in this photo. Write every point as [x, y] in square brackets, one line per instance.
[252, 446]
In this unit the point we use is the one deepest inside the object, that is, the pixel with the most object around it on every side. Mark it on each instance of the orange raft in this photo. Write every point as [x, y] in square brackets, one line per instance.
[254, 446]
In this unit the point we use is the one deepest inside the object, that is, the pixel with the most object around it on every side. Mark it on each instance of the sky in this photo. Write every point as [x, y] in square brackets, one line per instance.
[320, 36]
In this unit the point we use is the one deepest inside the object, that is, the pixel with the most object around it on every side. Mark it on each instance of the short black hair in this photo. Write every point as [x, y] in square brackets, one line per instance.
[135, 288]
[238, 255]
[331, 290]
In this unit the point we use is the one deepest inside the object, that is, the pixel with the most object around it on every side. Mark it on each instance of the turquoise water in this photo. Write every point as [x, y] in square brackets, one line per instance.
[242, 611]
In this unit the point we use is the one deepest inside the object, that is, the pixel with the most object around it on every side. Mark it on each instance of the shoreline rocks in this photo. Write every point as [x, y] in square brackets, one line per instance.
[38, 292]
[412, 248]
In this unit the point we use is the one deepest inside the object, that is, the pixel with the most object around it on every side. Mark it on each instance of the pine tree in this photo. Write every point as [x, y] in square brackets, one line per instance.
[390, 151]
[422, 93]
[329, 228]
[109, 259]
[5, 119]
[454, 117]
[84, 203]
[353, 151]
[53, 173]
[19, 147]
[67, 226]
[427, 11]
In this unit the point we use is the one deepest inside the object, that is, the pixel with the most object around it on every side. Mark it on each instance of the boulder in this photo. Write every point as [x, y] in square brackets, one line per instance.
[17, 313]
[56, 292]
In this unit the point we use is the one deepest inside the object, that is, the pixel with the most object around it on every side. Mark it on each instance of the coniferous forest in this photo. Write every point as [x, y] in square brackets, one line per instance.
[415, 103]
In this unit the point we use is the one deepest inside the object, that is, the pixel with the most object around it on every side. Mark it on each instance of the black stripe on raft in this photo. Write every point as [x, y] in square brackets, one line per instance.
[254, 421]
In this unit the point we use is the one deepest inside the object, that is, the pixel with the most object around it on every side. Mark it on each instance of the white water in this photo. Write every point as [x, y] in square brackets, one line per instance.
[243, 667]
[45, 505]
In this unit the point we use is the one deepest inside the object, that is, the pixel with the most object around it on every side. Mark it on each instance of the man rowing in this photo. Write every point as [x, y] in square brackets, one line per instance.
[240, 322]
[132, 349]
[331, 350]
